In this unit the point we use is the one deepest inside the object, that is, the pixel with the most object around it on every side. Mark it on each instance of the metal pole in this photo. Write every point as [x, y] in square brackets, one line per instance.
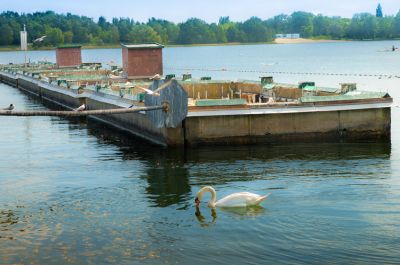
[24, 43]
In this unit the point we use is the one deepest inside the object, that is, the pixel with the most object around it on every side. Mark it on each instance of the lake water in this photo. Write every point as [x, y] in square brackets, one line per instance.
[74, 192]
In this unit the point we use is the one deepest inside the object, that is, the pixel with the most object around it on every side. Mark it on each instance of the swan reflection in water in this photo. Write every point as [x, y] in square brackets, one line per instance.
[236, 212]
[245, 212]
[202, 220]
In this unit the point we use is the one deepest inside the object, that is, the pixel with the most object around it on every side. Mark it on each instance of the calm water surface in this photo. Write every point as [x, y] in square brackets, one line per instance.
[73, 192]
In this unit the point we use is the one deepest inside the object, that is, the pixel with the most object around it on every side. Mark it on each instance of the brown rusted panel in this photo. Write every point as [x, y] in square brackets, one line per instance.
[288, 92]
[142, 62]
[68, 57]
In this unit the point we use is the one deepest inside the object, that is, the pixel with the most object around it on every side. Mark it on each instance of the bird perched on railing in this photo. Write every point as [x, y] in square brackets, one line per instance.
[80, 108]
[11, 107]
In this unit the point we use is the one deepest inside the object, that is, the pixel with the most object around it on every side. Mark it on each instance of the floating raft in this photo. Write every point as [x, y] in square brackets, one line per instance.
[211, 111]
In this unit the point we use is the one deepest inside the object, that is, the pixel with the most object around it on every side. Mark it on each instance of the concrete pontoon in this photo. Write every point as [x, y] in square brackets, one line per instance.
[218, 112]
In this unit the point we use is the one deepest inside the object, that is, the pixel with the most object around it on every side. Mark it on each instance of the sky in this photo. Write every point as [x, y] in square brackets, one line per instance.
[208, 10]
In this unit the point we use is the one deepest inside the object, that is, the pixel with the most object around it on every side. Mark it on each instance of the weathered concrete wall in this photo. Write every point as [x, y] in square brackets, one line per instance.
[134, 123]
[66, 100]
[138, 124]
[58, 95]
[248, 129]
[9, 79]
[30, 87]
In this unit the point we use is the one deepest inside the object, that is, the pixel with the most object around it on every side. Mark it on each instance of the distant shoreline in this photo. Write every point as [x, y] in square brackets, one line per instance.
[116, 46]
[88, 47]
[302, 40]
[276, 41]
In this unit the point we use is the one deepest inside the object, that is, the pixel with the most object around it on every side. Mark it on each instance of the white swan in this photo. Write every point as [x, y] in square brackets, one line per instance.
[239, 199]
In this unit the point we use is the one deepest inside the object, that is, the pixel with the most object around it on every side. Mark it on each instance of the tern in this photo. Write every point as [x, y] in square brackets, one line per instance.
[155, 77]
[40, 39]
[80, 108]
[11, 107]
[148, 91]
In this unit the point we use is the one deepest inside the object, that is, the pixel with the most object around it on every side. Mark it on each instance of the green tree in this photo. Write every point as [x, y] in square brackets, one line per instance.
[234, 34]
[16, 28]
[96, 41]
[219, 32]
[383, 27]
[321, 25]
[280, 23]
[363, 26]
[256, 30]
[102, 22]
[302, 22]
[81, 29]
[81, 34]
[224, 20]
[158, 26]
[68, 37]
[337, 27]
[6, 34]
[54, 36]
[173, 32]
[142, 34]
[110, 36]
[379, 11]
[35, 30]
[195, 30]
[396, 25]
[124, 26]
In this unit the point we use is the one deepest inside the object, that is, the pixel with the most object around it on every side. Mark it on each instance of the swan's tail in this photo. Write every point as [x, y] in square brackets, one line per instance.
[262, 198]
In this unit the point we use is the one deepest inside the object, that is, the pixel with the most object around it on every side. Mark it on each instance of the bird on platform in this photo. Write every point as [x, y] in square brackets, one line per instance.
[148, 91]
[155, 77]
[270, 100]
[239, 199]
[80, 108]
[40, 39]
[11, 107]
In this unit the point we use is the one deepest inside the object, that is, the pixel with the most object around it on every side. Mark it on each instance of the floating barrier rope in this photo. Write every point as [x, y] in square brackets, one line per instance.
[284, 73]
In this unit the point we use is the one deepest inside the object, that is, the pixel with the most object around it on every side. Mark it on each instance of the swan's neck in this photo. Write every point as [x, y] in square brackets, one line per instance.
[213, 200]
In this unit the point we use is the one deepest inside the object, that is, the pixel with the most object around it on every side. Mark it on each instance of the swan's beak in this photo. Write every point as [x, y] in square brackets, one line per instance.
[197, 202]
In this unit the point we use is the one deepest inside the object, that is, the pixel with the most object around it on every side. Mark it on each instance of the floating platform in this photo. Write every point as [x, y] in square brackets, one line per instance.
[217, 112]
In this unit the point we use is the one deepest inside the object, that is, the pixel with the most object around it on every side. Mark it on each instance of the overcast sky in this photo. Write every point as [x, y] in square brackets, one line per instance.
[208, 10]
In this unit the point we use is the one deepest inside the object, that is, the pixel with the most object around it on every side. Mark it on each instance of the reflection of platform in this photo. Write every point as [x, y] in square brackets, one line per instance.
[299, 151]
[169, 174]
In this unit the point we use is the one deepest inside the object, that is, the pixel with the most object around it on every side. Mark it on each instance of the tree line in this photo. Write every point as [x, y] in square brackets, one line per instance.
[69, 28]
